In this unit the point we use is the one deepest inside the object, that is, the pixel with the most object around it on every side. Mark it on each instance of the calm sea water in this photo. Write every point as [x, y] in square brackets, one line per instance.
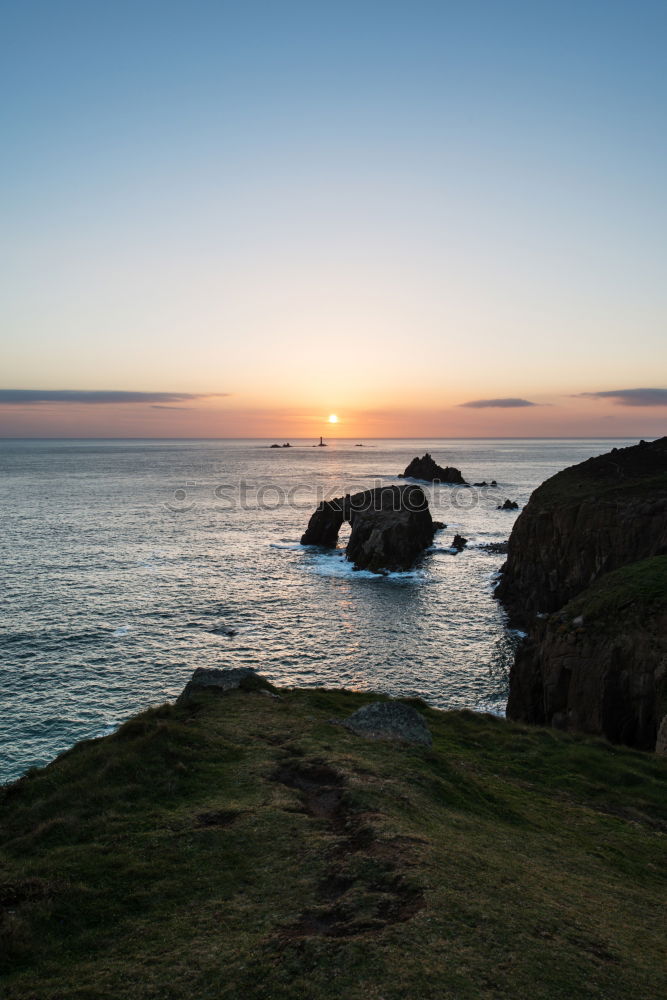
[126, 564]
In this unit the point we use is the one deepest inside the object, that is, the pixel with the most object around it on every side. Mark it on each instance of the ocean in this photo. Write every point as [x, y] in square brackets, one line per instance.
[127, 564]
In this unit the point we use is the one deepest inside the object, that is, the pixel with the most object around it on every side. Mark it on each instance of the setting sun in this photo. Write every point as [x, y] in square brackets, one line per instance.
[333, 419]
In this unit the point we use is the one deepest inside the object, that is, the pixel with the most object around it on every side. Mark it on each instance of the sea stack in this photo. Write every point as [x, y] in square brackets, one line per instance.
[428, 470]
[391, 527]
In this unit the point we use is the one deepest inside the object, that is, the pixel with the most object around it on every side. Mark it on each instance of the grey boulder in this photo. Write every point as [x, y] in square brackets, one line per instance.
[389, 720]
[220, 681]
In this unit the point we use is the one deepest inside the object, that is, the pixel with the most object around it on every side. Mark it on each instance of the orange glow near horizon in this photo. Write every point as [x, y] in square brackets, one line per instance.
[563, 415]
[255, 220]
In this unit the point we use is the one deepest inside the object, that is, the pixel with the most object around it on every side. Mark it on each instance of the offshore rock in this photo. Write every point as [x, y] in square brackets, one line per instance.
[508, 505]
[326, 522]
[390, 527]
[497, 548]
[459, 543]
[389, 720]
[429, 471]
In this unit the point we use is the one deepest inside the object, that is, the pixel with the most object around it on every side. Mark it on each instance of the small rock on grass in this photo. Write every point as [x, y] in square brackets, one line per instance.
[222, 680]
[389, 720]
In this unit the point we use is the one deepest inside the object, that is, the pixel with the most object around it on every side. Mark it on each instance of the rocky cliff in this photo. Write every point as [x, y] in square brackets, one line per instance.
[583, 522]
[600, 664]
[591, 545]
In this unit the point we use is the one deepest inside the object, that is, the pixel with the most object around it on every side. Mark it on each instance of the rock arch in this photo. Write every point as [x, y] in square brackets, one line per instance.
[390, 526]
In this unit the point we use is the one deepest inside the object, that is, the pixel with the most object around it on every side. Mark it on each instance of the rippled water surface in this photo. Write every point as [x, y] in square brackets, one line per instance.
[126, 564]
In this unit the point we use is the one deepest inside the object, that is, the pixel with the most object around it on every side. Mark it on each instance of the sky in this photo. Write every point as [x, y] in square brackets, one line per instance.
[236, 219]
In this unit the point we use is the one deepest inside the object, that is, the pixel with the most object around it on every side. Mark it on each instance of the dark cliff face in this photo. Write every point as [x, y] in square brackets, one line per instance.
[589, 554]
[594, 677]
[586, 521]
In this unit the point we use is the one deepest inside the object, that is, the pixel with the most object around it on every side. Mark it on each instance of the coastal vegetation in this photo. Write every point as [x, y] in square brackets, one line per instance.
[245, 845]
[633, 591]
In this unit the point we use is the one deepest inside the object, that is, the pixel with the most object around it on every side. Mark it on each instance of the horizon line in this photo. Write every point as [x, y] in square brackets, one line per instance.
[421, 437]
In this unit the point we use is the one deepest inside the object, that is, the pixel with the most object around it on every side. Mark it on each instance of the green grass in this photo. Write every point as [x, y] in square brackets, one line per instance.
[634, 472]
[245, 847]
[631, 591]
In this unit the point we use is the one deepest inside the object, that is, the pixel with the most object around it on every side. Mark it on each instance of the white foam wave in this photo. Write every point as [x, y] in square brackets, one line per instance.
[331, 564]
[492, 707]
[122, 630]
[106, 731]
[492, 580]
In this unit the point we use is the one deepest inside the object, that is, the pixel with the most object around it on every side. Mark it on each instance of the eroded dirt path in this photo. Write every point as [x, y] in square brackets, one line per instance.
[365, 887]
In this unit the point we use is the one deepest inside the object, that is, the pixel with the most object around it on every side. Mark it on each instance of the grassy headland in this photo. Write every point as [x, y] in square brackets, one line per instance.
[243, 846]
[636, 472]
[624, 596]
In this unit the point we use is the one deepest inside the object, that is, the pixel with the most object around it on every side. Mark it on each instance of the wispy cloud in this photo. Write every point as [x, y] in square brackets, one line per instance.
[162, 406]
[630, 397]
[506, 403]
[17, 397]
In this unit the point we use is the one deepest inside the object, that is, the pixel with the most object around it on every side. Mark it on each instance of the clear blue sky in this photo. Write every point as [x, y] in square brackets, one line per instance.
[374, 208]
